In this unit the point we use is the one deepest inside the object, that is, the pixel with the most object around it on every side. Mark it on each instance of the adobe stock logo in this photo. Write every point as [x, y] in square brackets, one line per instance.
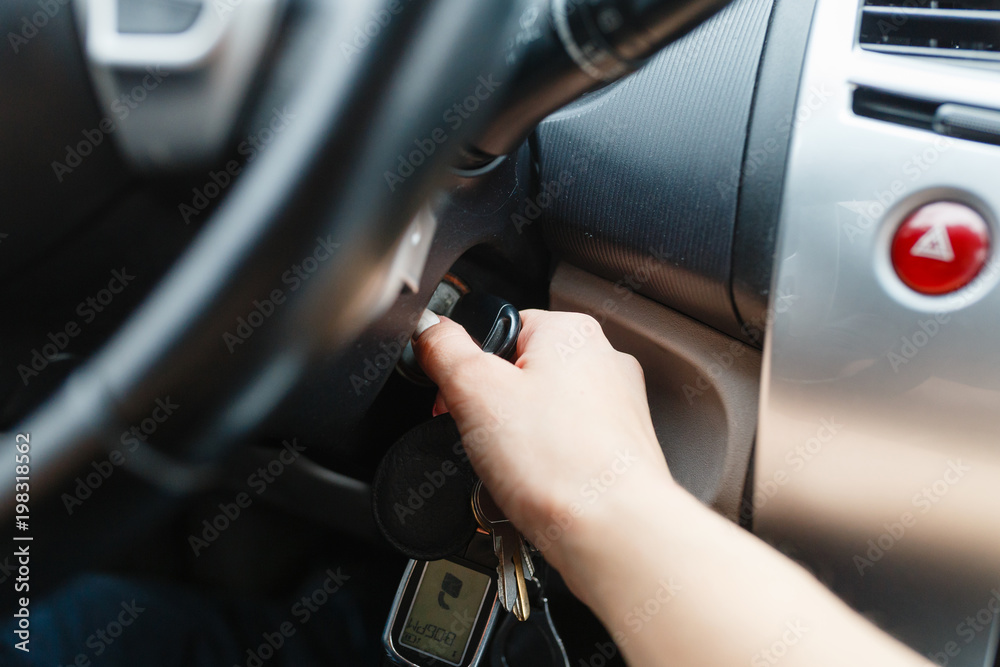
[93, 137]
[779, 648]
[59, 340]
[30, 26]
[364, 34]
[263, 308]
[925, 500]
[252, 146]
[102, 469]
[453, 117]
[417, 497]
[258, 481]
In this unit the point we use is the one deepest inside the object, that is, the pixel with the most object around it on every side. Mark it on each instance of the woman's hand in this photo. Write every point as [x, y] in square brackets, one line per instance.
[552, 434]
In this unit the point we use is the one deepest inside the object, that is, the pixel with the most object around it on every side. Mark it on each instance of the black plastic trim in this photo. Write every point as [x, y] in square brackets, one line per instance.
[776, 103]
[893, 108]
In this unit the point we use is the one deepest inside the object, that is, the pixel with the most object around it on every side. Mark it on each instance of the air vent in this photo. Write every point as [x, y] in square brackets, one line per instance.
[953, 120]
[949, 28]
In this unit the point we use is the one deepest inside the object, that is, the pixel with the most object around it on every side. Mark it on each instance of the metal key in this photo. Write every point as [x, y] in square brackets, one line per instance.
[511, 550]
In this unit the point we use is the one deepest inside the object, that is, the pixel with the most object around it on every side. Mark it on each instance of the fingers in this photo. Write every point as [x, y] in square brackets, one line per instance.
[531, 321]
[453, 361]
[464, 373]
[556, 336]
[428, 318]
[440, 406]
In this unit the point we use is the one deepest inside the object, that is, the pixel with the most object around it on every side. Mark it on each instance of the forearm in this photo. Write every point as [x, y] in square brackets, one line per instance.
[577, 466]
[676, 584]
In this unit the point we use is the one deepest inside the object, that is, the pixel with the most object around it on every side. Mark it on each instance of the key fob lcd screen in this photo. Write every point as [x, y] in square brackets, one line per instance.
[443, 613]
[449, 599]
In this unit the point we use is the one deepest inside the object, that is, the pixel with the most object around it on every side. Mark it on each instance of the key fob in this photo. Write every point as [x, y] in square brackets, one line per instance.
[491, 321]
[444, 613]
[421, 492]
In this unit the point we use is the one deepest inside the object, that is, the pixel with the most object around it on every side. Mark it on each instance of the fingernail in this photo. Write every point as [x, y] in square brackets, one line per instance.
[427, 320]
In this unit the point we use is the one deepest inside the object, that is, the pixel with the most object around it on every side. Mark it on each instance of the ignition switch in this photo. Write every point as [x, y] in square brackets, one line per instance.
[493, 323]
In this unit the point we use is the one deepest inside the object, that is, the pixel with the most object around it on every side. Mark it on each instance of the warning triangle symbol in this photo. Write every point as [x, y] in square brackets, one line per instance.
[934, 244]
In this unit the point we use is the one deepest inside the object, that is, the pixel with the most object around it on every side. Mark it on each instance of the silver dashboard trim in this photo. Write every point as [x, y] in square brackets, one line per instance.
[874, 396]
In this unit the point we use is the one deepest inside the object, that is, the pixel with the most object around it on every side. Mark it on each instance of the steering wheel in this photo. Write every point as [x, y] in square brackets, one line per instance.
[320, 190]
[343, 191]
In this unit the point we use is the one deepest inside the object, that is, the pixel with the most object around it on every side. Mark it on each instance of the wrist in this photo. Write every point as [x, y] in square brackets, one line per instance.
[585, 539]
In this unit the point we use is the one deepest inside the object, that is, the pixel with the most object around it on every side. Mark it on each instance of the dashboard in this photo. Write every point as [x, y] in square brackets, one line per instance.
[731, 215]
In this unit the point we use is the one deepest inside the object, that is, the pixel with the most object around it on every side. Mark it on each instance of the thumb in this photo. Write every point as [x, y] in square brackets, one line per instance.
[451, 359]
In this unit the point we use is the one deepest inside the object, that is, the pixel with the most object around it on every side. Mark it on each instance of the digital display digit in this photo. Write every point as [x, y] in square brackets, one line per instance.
[445, 608]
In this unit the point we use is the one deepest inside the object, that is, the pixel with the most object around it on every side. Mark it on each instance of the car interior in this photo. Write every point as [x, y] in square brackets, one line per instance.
[224, 219]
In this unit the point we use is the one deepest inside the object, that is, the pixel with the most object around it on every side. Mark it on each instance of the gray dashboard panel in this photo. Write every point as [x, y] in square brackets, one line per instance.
[878, 455]
[650, 168]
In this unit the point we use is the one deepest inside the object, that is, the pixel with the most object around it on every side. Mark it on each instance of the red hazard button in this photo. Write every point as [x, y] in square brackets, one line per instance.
[941, 247]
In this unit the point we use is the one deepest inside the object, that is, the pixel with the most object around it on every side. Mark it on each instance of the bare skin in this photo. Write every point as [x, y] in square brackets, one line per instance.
[564, 441]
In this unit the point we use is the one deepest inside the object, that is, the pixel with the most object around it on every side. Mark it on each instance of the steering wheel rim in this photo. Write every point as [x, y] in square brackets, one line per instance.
[321, 182]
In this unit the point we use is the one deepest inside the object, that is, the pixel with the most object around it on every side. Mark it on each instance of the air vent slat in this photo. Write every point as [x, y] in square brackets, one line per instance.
[966, 29]
[940, 4]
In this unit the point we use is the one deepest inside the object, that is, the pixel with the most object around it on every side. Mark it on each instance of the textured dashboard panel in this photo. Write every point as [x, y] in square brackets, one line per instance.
[647, 171]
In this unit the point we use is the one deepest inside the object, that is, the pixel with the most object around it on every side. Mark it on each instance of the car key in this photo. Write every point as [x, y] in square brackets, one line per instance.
[491, 321]
[511, 551]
